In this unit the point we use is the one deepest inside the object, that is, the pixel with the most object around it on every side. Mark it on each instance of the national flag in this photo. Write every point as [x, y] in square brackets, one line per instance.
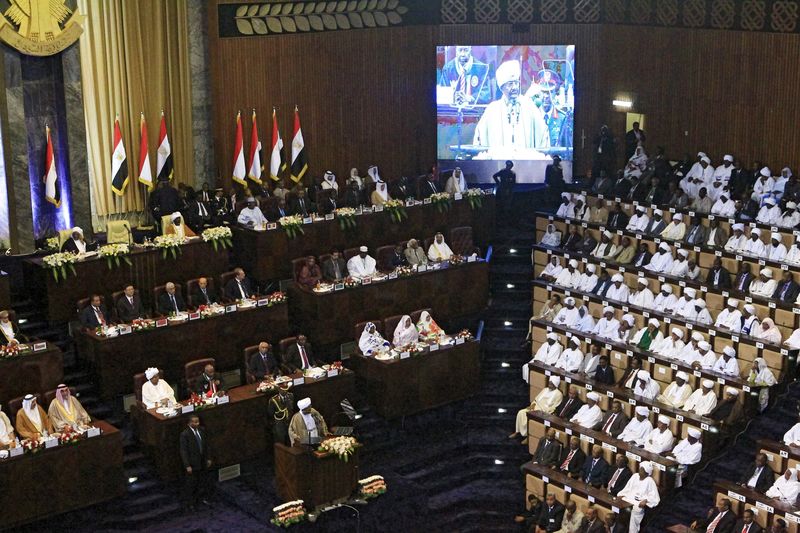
[164, 160]
[254, 168]
[52, 189]
[145, 171]
[119, 162]
[277, 159]
[238, 153]
[299, 163]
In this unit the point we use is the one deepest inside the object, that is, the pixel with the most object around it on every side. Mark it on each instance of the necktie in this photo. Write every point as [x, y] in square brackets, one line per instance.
[589, 475]
[567, 460]
[203, 212]
[461, 82]
[241, 289]
[100, 317]
[608, 424]
[785, 289]
[336, 270]
[205, 294]
[713, 525]
[174, 303]
[614, 478]
[564, 410]
[303, 206]
[130, 301]
[303, 357]
[741, 282]
[212, 386]
[746, 528]
[199, 440]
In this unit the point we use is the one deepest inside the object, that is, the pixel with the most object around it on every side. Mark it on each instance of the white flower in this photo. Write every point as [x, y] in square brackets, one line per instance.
[112, 250]
[219, 232]
[291, 220]
[59, 259]
[168, 241]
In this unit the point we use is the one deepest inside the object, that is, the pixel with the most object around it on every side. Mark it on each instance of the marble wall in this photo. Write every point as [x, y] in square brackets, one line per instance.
[202, 133]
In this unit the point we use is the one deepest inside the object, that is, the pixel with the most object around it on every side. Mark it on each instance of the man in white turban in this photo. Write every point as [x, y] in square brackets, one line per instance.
[770, 213]
[307, 425]
[686, 300]
[776, 250]
[568, 315]
[549, 352]
[754, 245]
[680, 267]
[688, 452]
[764, 286]
[661, 260]
[156, 392]
[643, 297]
[671, 346]
[639, 221]
[660, 439]
[571, 358]
[361, 265]
[76, 244]
[178, 227]
[608, 326]
[677, 392]
[724, 206]
[618, 290]
[665, 300]
[676, 229]
[606, 248]
[641, 492]
[638, 428]
[703, 400]
[736, 241]
[589, 415]
[456, 183]
[645, 386]
[730, 318]
[569, 277]
[705, 356]
[764, 184]
[546, 401]
[588, 278]
[31, 421]
[511, 121]
[727, 363]
[329, 182]
[792, 437]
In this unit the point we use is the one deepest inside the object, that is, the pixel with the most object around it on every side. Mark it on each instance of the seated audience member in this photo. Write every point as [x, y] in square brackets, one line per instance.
[591, 361]
[768, 332]
[129, 306]
[770, 213]
[307, 425]
[786, 488]
[764, 286]
[572, 458]
[588, 279]
[263, 363]
[750, 322]
[334, 268]
[696, 233]
[371, 341]
[680, 266]
[276, 211]
[648, 335]
[656, 224]
[202, 294]
[776, 251]
[456, 183]
[597, 213]
[552, 269]
[747, 523]
[428, 327]
[31, 421]
[641, 492]
[94, 315]
[617, 219]
[676, 392]
[736, 241]
[604, 372]
[629, 376]
[65, 410]
[618, 290]
[608, 326]
[362, 265]
[729, 411]
[9, 332]
[671, 346]
[788, 290]
[439, 251]
[676, 229]
[792, 437]
[687, 452]
[615, 420]
[645, 386]
[530, 515]
[759, 476]
[589, 415]
[718, 276]
[398, 258]
[169, 301]
[586, 321]
[754, 245]
[679, 200]
[548, 353]
[662, 260]
[310, 274]
[701, 204]
[546, 401]
[239, 287]
[605, 249]
[178, 228]
[717, 237]
[156, 392]
[730, 318]
[660, 439]
[76, 244]
[727, 363]
[719, 519]
[569, 405]
[381, 194]
[618, 476]
[724, 206]
[587, 244]
[405, 333]
[301, 205]
[573, 518]
[703, 400]
[8, 438]
[665, 300]
[416, 255]
[638, 428]
[625, 252]
[299, 356]
[552, 308]
[567, 207]
[570, 359]
[639, 221]
[551, 516]
[209, 383]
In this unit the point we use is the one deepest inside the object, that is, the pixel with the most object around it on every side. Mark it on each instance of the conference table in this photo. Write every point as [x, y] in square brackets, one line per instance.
[115, 360]
[450, 291]
[428, 379]
[36, 371]
[148, 269]
[768, 509]
[237, 430]
[268, 254]
[61, 479]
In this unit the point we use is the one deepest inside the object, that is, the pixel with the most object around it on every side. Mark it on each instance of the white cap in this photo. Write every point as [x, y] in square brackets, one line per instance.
[629, 319]
[617, 277]
[690, 291]
[769, 200]
[573, 263]
[766, 272]
[552, 336]
[663, 419]
[683, 375]
[766, 172]
[593, 396]
[683, 253]
[150, 372]
[727, 157]
[699, 302]
[729, 351]
[706, 160]
[678, 332]
[508, 71]
[608, 309]
[775, 235]
[677, 216]
[608, 234]
[643, 281]
[566, 195]
[647, 466]
[791, 205]
[591, 268]
[575, 340]
[704, 345]
[175, 216]
[732, 391]
[701, 154]
[569, 300]
[363, 249]
[750, 308]
[77, 229]
[643, 374]
[555, 380]
[642, 410]
[733, 302]
[694, 433]
[658, 212]
[654, 322]
[755, 231]
[667, 288]
[305, 403]
[738, 226]
[664, 246]
[708, 384]
[697, 336]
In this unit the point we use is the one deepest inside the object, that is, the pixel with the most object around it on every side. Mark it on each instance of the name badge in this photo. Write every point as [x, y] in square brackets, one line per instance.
[392, 275]
[14, 452]
[333, 372]
[93, 432]
[160, 323]
[567, 488]
[704, 426]
[124, 330]
[272, 225]
[194, 316]
[631, 455]
[459, 340]
[329, 216]
[433, 347]
[679, 418]
[673, 366]
[307, 220]
[222, 400]
[262, 302]
[426, 201]
[298, 381]
[338, 286]
[545, 479]
[230, 308]
[39, 346]
[765, 507]
[611, 447]
[458, 196]
[51, 443]
[187, 409]
[405, 355]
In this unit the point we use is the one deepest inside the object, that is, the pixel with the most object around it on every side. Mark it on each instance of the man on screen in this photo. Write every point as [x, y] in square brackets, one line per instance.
[511, 121]
[468, 77]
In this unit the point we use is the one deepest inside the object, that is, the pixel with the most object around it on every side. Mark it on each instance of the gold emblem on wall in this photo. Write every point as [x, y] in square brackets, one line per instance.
[40, 27]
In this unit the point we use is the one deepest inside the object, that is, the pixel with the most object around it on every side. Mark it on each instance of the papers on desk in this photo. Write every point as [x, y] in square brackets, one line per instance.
[93, 432]
[39, 346]
[222, 400]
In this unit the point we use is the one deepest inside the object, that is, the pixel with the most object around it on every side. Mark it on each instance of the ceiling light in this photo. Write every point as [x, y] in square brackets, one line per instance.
[627, 104]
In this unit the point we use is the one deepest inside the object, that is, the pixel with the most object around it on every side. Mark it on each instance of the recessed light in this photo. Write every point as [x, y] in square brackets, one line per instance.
[509, 285]
[504, 365]
[132, 480]
[501, 410]
[512, 250]
[506, 323]
[498, 462]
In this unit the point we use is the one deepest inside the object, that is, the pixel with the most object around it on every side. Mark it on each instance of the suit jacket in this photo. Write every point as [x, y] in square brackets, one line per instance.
[562, 411]
[621, 188]
[400, 191]
[232, 289]
[293, 359]
[791, 293]
[655, 227]
[127, 312]
[619, 423]
[259, 368]
[198, 298]
[699, 238]
[765, 479]
[637, 192]
[194, 453]
[297, 209]
[739, 526]
[596, 527]
[547, 455]
[720, 237]
[622, 480]
[203, 384]
[427, 188]
[571, 242]
[327, 205]
[89, 319]
[644, 256]
[575, 464]
[599, 474]
[328, 269]
[618, 528]
[602, 286]
[743, 281]
[587, 244]
[604, 375]
[617, 220]
[724, 278]
[165, 306]
[273, 213]
[550, 519]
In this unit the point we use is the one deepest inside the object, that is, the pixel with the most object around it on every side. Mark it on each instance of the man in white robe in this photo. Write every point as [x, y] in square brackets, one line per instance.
[776, 251]
[660, 439]
[568, 316]
[790, 217]
[724, 207]
[569, 277]
[156, 392]
[439, 250]
[763, 286]
[691, 350]
[251, 215]
[588, 278]
[655, 336]
[645, 386]
[618, 290]
[671, 346]
[703, 400]
[643, 297]
[764, 184]
[546, 401]
[750, 321]
[361, 265]
[694, 179]
[770, 213]
[724, 170]
[567, 208]
[688, 452]
[511, 121]
[705, 356]
[737, 240]
[638, 428]
[730, 318]
[661, 260]
[586, 321]
[677, 392]
[680, 267]
[727, 363]
[676, 229]
[640, 491]
[792, 437]
[606, 248]
[570, 359]
[589, 415]
[684, 302]
[608, 326]
[639, 221]
[549, 352]
[664, 301]
[754, 245]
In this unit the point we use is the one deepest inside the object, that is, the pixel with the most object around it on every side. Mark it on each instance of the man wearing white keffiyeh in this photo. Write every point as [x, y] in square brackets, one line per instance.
[439, 250]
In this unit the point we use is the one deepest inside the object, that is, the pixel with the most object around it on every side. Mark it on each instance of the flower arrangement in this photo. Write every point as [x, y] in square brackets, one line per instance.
[169, 244]
[292, 225]
[289, 513]
[31, 445]
[210, 310]
[115, 254]
[12, 350]
[52, 243]
[463, 334]
[346, 217]
[396, 209]
[372, 487]
[473, 197]
[351, 283]
[456, 259]
[220, 237]
[141, 324]
[196, 401]
[60, 264]
[337, 365]
[404, 271]
[276, 298]
[344, 447]
[442, 201]
[69, 436]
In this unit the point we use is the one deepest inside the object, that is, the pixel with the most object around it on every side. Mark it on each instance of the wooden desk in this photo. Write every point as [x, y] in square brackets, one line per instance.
[302, 475]
[268, 254]
[779, 455]
[115, 360]
[147, 270]
[5, 290]
[62, 479]
[327, 319]
[238, 430]
[34, 372]
[767, 509]
[403, 387]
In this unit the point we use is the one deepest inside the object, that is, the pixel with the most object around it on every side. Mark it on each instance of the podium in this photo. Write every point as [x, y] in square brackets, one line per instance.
[302, 474]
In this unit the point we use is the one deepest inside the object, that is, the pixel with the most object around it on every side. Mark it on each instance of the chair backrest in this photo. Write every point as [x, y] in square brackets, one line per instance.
[427, 244]
[224, 278]
[50, 395]
[248, 353]
[15, 405]
[461, 240]
[161, 289]
[359, 328]
[297, 266]
[191, 285]
[284, 344]
[138, 381]
[416, 314]
[193, 369]
[63, 236]
[384, 256]
[323, 258]
[390, 324]
[83, 303]
[350, 252]
[118, 231]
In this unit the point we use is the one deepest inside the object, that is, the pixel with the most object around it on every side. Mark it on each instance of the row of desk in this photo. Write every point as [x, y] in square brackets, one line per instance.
[33, 372]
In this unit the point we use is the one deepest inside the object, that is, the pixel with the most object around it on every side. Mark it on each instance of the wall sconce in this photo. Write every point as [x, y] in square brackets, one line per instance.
[625, 104]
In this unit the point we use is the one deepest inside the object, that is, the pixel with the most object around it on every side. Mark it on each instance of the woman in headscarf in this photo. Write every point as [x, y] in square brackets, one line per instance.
[7, 437]
[31, 420]
[427, 326]
[768, 332]
[552, 270]
[761, 376]
[405, 333]
[438, 250]
[329, 182]
[786, 488]
[310, 273]
[371, 342]
[551, 238]
[381, 194]
[636, 164]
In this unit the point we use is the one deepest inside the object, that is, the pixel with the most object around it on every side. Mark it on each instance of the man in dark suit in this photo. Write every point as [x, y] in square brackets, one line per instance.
[587, 244]
[719, 519]
[604, 373]
[633, 368]
[595, 469]
[548, 451]
[170, 301]
[238, 287]
[603, 283]
[428, 186]
[617, 219]
[621, 187]
[642, 257]
[613, 525]
[94, 314]
[747, 524]
[530, 516]
[655, 193]
[202, 294]
[718, 276]
[616, 420]
[758, 476]
[197, 213]
[335, 268]
[209, 383]
[572, 459]
[696, 232]
[633, 138]
[326, 202]
[276, 210]
[572, 239]
[569, 405]
[743, 278]
[301, 205]
[591, 523]
[196, 463]
[619, 475]
[551, 515]
[637, 191]
[400, 189]
[220, 207]
[788, 289]
[299, 355]
[263, 363]
[129, 306]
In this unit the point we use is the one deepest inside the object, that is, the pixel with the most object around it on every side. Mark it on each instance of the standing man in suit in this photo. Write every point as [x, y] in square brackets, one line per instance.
[202, 294]
[720, 519]
[619, 475]
[548, 451]
[209, 383]
[129, 306]
[196, 463]
[220, 207]
[263, 363]
[299, 355]
[572, 459]
[94, 314]
[551, 515]
[239, 287]
[759, 476]
[335, 268]
[281, 410]
[633, 138]
[170, 301]
[747, 524]
[615, 421]
[595, 468]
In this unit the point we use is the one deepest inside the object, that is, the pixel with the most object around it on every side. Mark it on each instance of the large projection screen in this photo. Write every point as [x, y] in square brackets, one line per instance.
[497, 103]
